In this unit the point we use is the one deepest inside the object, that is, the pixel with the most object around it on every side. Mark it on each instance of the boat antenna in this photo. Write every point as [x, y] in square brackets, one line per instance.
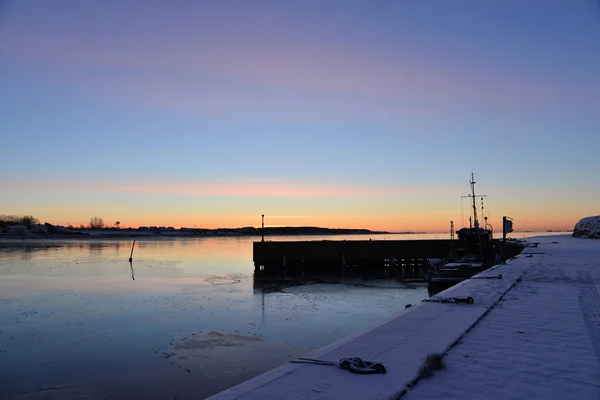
[475, 220]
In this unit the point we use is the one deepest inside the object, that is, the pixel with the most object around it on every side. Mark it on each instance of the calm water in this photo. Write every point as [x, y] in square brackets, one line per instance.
[184, 320]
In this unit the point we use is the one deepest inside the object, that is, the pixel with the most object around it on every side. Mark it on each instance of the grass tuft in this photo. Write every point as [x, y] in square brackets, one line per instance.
[433, 362]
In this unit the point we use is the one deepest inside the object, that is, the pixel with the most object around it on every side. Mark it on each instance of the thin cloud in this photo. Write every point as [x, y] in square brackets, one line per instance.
[258, 189]
[187, 73]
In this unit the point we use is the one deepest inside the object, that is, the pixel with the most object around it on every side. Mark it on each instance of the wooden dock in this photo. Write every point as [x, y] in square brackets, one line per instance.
[400, 259]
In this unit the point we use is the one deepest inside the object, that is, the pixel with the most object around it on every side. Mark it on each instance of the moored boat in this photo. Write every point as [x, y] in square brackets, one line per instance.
[473, 251]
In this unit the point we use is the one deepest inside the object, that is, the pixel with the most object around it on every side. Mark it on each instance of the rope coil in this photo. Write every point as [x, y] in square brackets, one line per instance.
[452, 300]
[353, 364]
[499, 276]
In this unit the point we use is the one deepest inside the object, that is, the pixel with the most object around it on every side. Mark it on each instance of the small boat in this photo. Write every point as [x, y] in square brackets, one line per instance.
[472, 252]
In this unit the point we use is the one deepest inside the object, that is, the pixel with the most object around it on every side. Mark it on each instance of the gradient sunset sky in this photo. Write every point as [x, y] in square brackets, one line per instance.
[333, 113]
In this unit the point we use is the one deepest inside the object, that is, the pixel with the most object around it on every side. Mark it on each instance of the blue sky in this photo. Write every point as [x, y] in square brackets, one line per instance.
[339, 113]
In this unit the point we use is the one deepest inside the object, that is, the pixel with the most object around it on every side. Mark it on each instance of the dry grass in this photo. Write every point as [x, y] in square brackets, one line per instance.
[433, 362]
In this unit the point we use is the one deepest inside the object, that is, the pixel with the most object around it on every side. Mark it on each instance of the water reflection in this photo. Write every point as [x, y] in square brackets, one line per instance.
[96, 249]
[262, 284]
[23, 246]
[132, 271]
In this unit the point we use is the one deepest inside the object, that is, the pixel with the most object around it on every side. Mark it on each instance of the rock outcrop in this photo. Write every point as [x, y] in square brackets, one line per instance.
[588, 227]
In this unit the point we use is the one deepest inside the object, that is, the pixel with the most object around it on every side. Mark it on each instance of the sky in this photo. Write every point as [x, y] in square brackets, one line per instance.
[339, 113]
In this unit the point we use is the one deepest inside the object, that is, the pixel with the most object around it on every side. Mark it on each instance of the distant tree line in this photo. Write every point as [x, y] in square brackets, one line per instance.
[30, 220]
[27, 220]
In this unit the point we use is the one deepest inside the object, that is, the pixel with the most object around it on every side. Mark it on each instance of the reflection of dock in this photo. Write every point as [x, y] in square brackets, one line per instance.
[400, 259]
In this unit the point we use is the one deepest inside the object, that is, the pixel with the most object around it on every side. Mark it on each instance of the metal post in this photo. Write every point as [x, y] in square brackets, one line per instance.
[263, 228]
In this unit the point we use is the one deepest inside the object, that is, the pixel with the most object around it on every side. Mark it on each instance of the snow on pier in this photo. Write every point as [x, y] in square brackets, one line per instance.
[533, 334]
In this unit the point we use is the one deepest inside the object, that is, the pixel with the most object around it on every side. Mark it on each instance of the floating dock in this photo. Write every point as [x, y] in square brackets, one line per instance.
[400, 259]
[533, 334]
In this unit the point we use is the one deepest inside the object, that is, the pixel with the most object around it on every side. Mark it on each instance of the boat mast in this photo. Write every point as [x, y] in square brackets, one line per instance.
[475, 220]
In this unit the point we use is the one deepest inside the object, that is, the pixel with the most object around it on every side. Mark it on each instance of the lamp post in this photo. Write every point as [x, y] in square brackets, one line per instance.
[263, 227]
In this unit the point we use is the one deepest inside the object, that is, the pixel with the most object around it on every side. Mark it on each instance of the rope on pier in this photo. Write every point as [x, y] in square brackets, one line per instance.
[352, 364]
[499, 276]
[451, 300]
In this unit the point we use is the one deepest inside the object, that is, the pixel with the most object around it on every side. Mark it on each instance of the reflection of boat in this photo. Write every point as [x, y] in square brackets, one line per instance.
[473, 252]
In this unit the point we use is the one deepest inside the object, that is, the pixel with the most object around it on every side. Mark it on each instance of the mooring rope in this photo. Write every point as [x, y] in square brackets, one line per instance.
[451, 300]
[352, 364]
[499, 276]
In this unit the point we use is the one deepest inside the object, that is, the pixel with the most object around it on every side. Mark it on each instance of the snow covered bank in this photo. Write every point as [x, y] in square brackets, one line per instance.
[529, 335]
[588, 227]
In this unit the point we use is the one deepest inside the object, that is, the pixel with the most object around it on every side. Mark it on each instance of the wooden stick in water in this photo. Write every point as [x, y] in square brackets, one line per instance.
[131, 255]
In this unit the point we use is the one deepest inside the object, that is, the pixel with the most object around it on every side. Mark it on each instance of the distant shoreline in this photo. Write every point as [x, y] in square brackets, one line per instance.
[113, 233]
[135, 234]
[34, 236]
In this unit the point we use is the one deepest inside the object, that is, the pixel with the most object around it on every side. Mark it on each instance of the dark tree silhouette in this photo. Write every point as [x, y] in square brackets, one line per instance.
[26, 220]
[96, 223]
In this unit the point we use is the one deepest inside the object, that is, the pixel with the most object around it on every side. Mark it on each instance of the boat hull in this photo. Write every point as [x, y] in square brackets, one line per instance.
[443, 277]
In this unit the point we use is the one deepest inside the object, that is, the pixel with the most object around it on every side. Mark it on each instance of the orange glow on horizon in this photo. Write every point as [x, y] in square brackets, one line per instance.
[235, 204]
[374, 223]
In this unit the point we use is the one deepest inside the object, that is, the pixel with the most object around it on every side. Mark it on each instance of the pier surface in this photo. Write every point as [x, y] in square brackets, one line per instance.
[534, 334]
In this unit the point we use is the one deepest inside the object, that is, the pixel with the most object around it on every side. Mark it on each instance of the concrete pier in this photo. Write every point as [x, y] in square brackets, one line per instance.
[401, 259]
[534, 334]
[348, 258]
